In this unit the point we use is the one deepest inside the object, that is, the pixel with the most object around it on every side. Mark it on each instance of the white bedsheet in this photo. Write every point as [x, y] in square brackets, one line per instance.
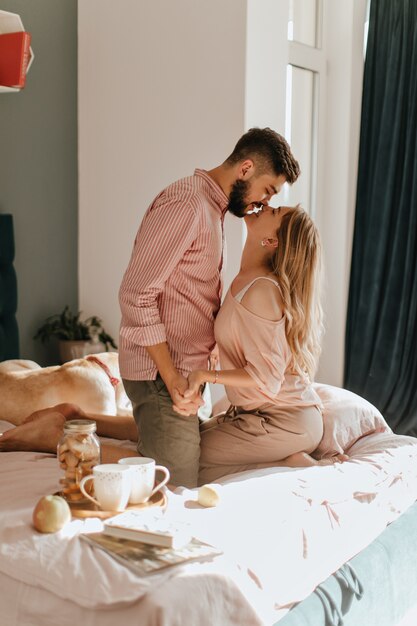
[282, 532]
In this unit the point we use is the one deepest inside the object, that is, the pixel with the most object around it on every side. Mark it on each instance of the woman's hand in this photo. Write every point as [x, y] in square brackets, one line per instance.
[214, 357]
[184, 403]
[195, 380]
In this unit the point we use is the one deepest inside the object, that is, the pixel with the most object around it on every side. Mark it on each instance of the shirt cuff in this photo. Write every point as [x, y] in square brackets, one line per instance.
[146, 335]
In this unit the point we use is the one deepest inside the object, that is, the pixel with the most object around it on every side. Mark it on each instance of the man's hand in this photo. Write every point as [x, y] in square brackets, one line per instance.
[195, 381]
[175, 382]
[183, 403]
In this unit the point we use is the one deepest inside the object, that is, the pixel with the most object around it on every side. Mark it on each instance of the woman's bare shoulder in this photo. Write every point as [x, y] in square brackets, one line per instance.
[264, 299]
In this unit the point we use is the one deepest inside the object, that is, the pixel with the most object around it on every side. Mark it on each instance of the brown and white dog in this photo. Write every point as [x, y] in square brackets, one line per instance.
[93, 383]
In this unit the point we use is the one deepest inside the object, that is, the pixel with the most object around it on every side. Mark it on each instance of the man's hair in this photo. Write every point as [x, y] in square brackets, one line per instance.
[269, 151]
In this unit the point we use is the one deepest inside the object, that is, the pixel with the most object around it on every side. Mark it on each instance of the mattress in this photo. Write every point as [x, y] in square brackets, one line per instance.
[283, 532]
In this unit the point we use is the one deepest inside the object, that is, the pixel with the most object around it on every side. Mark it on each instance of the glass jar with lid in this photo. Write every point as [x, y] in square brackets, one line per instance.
[78, 452]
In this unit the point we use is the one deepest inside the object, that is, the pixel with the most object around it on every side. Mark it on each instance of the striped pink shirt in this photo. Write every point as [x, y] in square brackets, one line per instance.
[171, 289]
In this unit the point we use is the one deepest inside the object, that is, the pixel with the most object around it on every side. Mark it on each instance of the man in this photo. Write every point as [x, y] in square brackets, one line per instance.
[171, 292]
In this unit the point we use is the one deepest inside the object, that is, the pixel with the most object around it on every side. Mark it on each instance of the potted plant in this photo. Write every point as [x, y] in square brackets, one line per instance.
[76, 337]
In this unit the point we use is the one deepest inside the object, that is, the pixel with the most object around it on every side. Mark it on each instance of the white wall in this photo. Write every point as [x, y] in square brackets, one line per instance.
[161, 92]
[165, 87]
[266, 55]
[343, 38]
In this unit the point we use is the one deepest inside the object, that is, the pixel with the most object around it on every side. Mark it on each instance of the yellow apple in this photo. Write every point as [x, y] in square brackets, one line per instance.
[50, 514]
[209, 495]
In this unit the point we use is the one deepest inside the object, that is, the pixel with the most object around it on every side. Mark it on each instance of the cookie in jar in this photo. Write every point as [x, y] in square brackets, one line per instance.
[78, 452]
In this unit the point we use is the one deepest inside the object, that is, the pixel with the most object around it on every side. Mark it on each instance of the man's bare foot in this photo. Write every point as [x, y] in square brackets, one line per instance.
[302, 459]
[69, 411]
[40, 435]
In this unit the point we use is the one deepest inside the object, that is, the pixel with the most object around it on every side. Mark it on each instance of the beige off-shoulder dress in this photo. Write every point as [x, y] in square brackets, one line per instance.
[265, 424]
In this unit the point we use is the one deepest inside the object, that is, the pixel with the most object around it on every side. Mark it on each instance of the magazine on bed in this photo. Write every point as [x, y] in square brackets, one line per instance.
[148, 526]
[144, 558]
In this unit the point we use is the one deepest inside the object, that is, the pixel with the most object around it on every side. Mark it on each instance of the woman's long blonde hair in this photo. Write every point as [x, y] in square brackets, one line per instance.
[296, 263]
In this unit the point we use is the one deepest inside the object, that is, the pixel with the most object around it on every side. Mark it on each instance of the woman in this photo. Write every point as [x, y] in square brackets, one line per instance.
[268, 333]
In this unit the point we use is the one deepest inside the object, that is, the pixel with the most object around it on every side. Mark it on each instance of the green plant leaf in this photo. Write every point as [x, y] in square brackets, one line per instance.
[68, 326]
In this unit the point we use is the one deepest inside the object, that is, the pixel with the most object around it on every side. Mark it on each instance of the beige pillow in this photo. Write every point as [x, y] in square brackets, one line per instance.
[347, 417]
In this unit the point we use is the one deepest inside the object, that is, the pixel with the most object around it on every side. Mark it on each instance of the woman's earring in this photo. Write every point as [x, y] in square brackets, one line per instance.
[269, 242]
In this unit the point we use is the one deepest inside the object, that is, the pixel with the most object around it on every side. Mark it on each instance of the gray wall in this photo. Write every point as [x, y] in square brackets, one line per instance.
[38, 169]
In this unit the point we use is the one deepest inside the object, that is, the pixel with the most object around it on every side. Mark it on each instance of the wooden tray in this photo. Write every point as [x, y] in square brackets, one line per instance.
[89, 509]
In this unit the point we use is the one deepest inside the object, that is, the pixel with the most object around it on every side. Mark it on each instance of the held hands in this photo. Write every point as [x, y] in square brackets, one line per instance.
[195, 381]
[185, 401]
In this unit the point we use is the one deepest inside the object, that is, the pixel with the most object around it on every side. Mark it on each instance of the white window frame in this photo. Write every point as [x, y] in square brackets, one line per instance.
[313, 59]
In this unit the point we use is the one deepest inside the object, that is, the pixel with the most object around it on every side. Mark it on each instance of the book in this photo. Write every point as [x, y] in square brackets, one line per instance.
[144, 559]
[14, 58]
[147, 526]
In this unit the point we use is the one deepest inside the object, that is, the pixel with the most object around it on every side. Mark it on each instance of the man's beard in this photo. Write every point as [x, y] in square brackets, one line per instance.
[238, 197]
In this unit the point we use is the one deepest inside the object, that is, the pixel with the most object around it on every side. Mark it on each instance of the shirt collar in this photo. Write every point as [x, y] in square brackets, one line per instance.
[214, 190]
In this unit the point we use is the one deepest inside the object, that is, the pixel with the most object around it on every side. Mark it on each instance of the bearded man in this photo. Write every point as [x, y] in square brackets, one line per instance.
[171, 292]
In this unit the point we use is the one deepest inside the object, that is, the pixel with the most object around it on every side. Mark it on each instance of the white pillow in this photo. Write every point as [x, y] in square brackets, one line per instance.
[347, 417]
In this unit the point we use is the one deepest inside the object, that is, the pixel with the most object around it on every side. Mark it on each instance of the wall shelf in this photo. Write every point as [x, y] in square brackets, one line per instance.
[8, 89]
[11, 23]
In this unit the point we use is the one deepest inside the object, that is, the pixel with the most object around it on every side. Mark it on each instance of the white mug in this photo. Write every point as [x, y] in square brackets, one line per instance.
[112, 484]
[143, 477]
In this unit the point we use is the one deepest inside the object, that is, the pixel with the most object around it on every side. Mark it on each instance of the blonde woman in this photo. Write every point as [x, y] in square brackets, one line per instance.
[268, 334]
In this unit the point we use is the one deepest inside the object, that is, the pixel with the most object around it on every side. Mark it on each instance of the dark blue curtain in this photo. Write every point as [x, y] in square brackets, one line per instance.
[9, 336]
[381, 332]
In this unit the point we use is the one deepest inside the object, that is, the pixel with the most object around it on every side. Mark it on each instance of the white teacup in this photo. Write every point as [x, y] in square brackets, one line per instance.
[112, 484]
[143, 477]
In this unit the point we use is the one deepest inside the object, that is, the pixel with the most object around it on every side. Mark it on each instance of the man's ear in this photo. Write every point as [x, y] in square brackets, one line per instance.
[246, 169]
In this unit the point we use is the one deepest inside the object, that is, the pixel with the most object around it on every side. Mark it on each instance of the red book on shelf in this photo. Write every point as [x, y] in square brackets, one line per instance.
[14, 58]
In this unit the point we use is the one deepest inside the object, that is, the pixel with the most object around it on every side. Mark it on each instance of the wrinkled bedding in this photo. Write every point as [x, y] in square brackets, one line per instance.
[282, 531]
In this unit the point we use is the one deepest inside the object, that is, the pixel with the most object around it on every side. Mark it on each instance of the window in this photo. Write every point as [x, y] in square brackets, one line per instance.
[300, 126]
[304, 95]
[302, 21]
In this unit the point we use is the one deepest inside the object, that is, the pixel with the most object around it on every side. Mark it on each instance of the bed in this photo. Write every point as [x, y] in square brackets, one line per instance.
[315, 546]
[282, 532]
